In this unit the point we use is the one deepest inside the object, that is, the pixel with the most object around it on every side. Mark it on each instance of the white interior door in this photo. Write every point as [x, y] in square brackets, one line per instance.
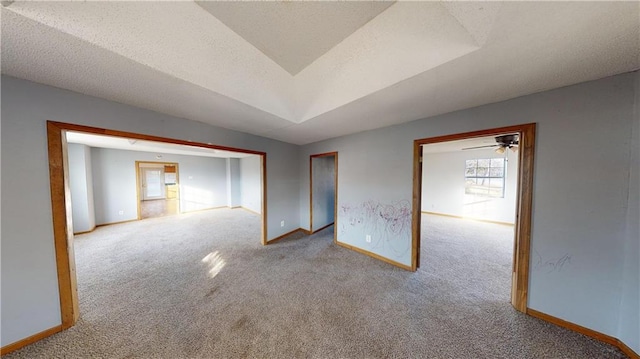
[152, 183]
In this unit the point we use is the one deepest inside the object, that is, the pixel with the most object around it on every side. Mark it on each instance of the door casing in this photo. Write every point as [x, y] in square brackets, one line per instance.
[335, 200]
[524, 203]
[62, 212]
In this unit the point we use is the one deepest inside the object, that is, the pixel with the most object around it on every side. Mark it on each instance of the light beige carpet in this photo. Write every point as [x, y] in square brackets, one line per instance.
[202, 286]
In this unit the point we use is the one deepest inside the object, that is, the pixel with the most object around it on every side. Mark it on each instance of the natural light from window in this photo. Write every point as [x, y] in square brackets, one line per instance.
[194, 199]
[485, 177]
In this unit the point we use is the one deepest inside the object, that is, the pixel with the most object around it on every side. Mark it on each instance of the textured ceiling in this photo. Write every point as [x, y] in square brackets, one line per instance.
[308, 31]
[413, 60]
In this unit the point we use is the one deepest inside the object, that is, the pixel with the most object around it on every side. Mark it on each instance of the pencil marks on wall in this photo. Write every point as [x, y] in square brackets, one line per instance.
[551, 265]
[387, 224]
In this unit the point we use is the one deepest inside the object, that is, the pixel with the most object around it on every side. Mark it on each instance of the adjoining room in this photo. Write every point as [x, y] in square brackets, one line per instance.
[323, 190]
[114, 180]
[131, 199]
[469, 191]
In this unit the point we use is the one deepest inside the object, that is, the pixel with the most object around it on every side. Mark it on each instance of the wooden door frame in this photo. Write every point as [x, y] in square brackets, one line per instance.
[524, 202]
[61, 204]
[139, 187]
[335, 195]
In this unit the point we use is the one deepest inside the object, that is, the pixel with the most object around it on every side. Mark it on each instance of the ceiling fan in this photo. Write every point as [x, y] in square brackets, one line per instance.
[502, 143]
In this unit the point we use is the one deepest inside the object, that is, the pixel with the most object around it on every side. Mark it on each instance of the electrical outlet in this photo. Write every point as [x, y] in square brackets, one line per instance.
[368, 238]
[121, 212]
[281, 223]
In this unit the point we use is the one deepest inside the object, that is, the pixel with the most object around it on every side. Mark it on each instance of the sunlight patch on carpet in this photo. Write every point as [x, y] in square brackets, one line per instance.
[215, 263]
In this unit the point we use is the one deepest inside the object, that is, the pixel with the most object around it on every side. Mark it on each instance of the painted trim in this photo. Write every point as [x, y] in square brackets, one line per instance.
[319, 229]
[134, 220]
[585, 331]
[471, 218]
[335, 194]
[201, 210]
[30, 340]
[246, 209]
[524, 203]
[85, 232]
[119, 222]
[375, 256]
[271, 241]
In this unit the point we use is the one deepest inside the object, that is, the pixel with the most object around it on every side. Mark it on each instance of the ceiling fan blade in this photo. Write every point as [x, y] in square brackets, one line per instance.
[473, 148]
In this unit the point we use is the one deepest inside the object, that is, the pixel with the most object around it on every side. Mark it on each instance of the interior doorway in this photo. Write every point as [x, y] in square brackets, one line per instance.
[152, 187]
[61, 203]
[323, 192]
[157, 189]
[523, 196]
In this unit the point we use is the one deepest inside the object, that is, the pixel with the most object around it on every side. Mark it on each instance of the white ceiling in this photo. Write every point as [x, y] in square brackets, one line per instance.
[159, 148]
[310, 28]
[357, 66]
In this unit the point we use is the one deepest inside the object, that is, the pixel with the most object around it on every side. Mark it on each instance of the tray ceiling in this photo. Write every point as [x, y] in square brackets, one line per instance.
[306, 71]
[294, 34]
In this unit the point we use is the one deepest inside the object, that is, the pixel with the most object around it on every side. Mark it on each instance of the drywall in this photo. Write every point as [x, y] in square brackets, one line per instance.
[29, 299]
[443, 186]
[81, 187]
[250, 183]
[324, 189]
[202, 180]
[629, 328]
[233, 183]
[581, 185]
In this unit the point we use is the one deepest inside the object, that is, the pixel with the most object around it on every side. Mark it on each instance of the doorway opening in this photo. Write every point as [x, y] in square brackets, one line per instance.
[157, 189]
[489, 182]
[194, 195]
[323, 192]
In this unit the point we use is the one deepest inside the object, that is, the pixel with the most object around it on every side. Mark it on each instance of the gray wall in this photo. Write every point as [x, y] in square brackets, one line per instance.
[203, 182]
[250, 183]
[629, 330]
[81, 187]
[443, 186]
[584, 207]
[581, 189]
[324, 190]
[233, 183]
[29, 299]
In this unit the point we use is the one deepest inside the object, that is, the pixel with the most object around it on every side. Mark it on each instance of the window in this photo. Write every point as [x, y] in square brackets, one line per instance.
[485, 177]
